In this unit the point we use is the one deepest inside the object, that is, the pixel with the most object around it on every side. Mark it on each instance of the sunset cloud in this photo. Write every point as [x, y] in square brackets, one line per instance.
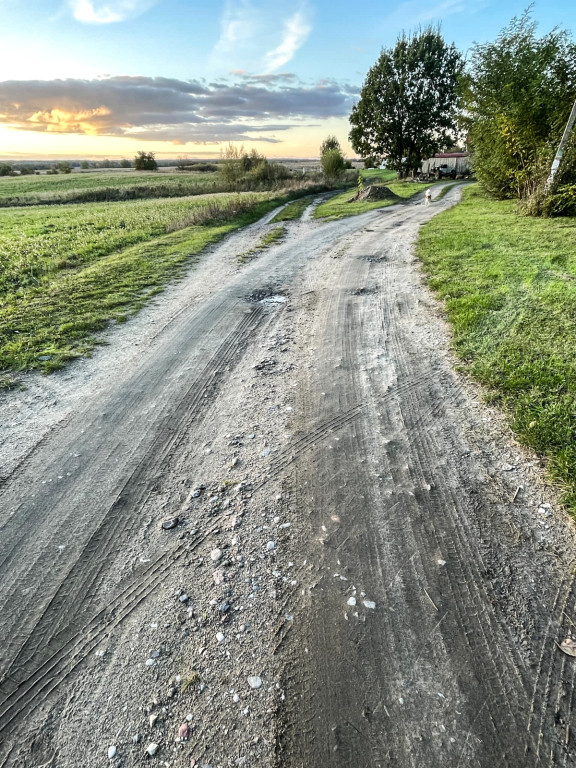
[170, 109]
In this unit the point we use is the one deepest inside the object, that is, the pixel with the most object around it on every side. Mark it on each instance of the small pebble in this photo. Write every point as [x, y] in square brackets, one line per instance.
[255, 681]
[370, 604]
[219, 637]
[151, 749]
[270, 546]
[183, 732]
[216, 555]
[111, 753]
[183, 598]
[351, 601]
[236, 698]
[150, 662]
[136, 738]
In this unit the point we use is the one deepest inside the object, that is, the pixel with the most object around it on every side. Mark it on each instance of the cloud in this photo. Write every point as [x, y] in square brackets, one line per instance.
[260, 36]
[422, 12]
[249, 108]
[90, 12]
[296, 31]
[238, 29]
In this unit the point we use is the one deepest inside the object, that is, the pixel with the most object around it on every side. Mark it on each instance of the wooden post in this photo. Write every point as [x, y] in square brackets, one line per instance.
[560, 150]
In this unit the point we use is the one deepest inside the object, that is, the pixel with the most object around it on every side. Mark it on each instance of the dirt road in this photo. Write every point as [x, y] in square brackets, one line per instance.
[365, 570]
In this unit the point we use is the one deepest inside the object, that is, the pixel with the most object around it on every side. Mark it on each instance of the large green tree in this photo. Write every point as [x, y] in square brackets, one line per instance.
[520, 89]
[407, 105]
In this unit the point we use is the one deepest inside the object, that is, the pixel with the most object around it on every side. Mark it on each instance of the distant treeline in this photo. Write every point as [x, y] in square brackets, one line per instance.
[27, 167]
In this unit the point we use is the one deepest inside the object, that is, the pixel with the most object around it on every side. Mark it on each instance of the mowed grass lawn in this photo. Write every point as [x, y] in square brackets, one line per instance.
[509, 287]
[339, 206]
[67, 271]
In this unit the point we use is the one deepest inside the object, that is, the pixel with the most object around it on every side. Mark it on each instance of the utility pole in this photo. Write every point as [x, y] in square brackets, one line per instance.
[560, 150]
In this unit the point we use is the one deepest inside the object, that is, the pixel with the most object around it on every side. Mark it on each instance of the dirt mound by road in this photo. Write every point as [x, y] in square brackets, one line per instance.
[374, 192]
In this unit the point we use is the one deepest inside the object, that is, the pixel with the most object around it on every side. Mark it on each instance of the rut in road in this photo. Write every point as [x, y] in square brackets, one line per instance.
[419, 621]
[65, 631]
[76, 501]
[399, 511]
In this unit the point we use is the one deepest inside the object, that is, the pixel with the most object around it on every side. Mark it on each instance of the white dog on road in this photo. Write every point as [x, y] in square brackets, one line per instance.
[427, 197]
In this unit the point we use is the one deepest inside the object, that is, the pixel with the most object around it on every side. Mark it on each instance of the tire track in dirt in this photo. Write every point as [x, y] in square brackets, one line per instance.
[61, 622]
[93, 474]
[387, 503]
[363, 693]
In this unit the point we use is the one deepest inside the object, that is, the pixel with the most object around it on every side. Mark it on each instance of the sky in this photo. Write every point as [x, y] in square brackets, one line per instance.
[107, 78]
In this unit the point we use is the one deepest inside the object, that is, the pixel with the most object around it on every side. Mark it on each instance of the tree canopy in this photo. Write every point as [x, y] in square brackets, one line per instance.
[406, 110]
[145, 161]
[520, 89]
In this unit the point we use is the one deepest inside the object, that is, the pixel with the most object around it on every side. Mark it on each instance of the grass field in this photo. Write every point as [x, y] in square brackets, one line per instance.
[103, 186]
[37, 242]
[67, 271]
[339, 206]
[509, 287]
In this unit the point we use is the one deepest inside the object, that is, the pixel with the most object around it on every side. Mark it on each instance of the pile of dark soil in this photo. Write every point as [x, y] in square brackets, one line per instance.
[374, 192]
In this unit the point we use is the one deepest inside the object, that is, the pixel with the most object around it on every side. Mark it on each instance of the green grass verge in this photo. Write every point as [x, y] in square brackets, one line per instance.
[379, 176]
[53, 318]
[443, 192]
[268, 239]
[36, 243]
[293, 211]
[339, 207]
[509, 286]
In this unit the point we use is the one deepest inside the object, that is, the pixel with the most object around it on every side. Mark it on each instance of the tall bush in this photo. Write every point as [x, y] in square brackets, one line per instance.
[517, 96]
[332, 159]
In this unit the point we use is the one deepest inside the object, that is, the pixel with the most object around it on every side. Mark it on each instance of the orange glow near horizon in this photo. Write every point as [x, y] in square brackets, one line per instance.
[51, 139]
[61, 121]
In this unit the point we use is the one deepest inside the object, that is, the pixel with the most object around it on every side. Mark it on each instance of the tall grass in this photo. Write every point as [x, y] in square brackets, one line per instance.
[37, 242]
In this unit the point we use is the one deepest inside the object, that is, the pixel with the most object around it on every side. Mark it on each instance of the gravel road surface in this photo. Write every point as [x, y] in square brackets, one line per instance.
[358, 564]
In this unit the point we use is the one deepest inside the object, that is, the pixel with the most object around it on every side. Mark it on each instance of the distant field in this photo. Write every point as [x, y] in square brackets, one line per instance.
[103, 186]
